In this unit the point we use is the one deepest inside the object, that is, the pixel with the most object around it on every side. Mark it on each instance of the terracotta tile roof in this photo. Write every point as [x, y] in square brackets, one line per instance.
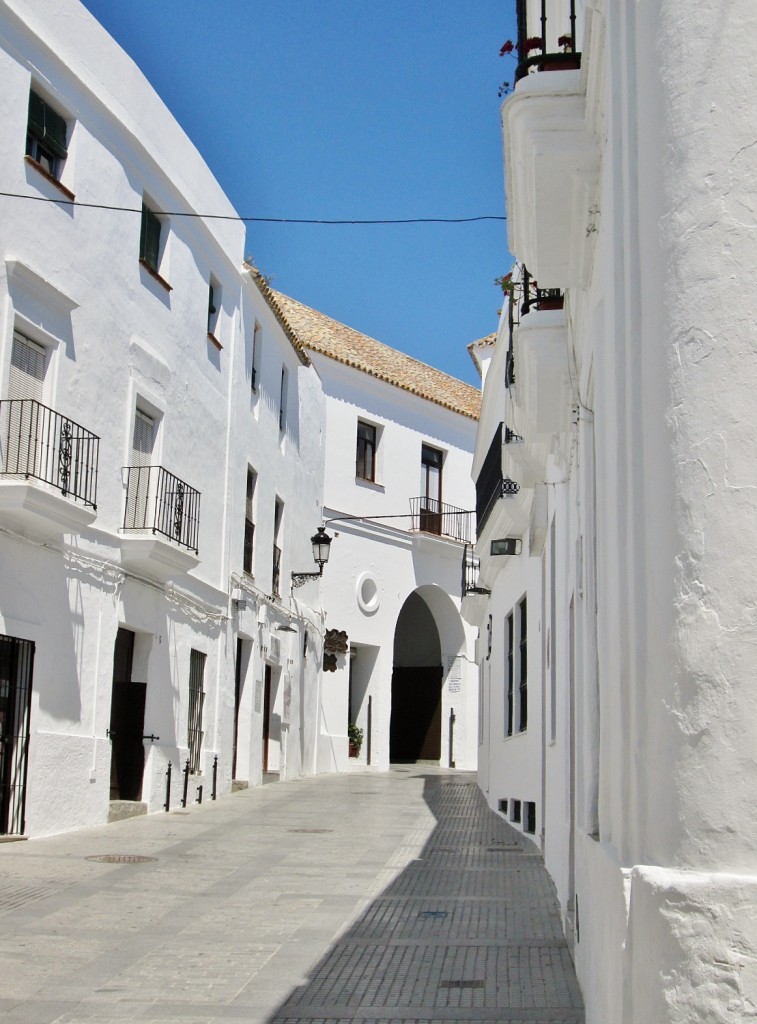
[488, 342]
[319, 333]
[271, 298]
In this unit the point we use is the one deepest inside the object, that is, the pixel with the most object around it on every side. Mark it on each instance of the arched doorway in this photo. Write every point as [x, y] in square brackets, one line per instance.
[416, 724]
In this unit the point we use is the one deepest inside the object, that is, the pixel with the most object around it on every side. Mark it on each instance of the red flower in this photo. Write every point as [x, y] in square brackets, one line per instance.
[534, 43]
[507, 47]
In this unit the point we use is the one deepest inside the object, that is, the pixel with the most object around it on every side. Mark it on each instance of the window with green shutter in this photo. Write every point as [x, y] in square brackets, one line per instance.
[149, 239]
[46, 135]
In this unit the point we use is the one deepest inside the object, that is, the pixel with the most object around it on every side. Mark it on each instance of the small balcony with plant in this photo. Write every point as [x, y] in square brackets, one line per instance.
[542, 396]
[551, 155]
[48, 470]
[161, 526]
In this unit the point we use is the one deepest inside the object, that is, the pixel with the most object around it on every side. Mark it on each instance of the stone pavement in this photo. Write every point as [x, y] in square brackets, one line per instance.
[390, 897]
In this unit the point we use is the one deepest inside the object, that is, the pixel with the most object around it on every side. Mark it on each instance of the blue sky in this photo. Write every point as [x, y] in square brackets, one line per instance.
[348, 109]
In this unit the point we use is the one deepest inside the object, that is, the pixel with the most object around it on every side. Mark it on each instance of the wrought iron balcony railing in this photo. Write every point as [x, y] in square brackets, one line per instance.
[158, 501]
[276, 574]
[431, 516]
[471, 569]
[551, 47]
[491, 485]
[41, 443]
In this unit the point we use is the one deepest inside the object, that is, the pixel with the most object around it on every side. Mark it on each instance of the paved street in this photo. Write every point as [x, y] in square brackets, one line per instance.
[365, 897]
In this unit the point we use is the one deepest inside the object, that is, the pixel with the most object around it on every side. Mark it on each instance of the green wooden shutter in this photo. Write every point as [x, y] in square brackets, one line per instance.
[149, 240]
[47, 125]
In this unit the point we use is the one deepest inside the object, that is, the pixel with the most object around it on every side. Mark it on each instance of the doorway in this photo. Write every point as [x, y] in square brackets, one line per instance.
[127, 720]
[415, 731]
[16, 664]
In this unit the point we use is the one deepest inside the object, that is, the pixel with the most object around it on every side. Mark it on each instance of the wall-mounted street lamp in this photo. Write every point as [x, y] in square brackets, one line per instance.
[321, 544]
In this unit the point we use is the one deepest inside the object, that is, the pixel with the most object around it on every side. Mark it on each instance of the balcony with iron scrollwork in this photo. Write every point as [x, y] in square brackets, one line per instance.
[474, 594]
[551, 155]
[161, 525]
[502, 505]
[48, 470]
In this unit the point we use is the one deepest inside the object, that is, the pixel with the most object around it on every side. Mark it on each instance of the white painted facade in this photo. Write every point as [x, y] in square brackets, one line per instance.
[118, 343]
[384, 561]
[167, 447]
[629, 187]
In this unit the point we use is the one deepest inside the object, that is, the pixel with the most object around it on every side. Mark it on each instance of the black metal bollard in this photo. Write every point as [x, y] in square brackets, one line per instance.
[186, 784]
[198, 795]
[215, 776]
[451, 737]
[167, 804]
[369, 730]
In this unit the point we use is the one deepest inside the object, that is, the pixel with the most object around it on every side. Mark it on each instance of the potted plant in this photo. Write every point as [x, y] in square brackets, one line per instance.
[506, 283]
[355, 736]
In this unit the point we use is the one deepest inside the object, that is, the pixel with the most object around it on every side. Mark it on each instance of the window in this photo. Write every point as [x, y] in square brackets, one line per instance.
[214, 306]
[365, 468]
[278, 515]
[523, 673]
[529, 825]
[431, 489]
[138, 505]
[24, 417]
[509, 695]
[46, 136]
[249, 525]
[257, 341]
[283, 399]
[515, 810]
[196, 700]
[149, 239]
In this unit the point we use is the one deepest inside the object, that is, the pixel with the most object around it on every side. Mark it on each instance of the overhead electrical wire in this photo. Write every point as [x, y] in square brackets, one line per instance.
[261, 220]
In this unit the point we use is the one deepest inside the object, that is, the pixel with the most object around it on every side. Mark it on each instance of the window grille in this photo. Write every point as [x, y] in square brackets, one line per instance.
[523, 674]
[196, 700]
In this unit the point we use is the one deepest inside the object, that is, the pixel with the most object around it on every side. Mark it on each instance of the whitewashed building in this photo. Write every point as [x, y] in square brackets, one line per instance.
[161, 459]
[164, 442]
[612, 573]
[398, 495]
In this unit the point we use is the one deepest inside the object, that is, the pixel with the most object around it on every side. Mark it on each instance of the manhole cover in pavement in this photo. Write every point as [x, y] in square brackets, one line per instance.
[461, 983]
[311, 831]
[121, 858]
[432, 913]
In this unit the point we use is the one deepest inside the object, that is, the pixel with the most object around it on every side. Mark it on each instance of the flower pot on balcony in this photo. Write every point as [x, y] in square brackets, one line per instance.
[561, 62]
[553, 302]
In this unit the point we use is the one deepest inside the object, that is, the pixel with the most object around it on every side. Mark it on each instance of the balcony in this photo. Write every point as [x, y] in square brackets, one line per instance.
[502, 506]
[544, 388]
[276, 572]
[474, 595]
[439, 519]
[48, 474]
[161, 523]
[551, 157]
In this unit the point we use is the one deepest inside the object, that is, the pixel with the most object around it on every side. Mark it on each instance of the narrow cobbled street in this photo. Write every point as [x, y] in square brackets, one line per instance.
[366, 897]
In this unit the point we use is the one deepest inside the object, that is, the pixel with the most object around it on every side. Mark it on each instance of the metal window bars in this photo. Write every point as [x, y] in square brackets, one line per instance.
[158, 501]
[41, 443]
[555, 44]
[442, 520]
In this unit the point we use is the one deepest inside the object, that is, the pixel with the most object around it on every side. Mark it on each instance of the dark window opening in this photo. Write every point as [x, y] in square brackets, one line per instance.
[46, 136]
[515, 811]
[196, 700]
[149, 239]
[365, 468]
[529, 825]
[523, 678]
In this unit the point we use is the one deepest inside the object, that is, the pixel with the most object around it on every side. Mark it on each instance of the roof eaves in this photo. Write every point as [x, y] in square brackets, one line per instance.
[267, 292]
